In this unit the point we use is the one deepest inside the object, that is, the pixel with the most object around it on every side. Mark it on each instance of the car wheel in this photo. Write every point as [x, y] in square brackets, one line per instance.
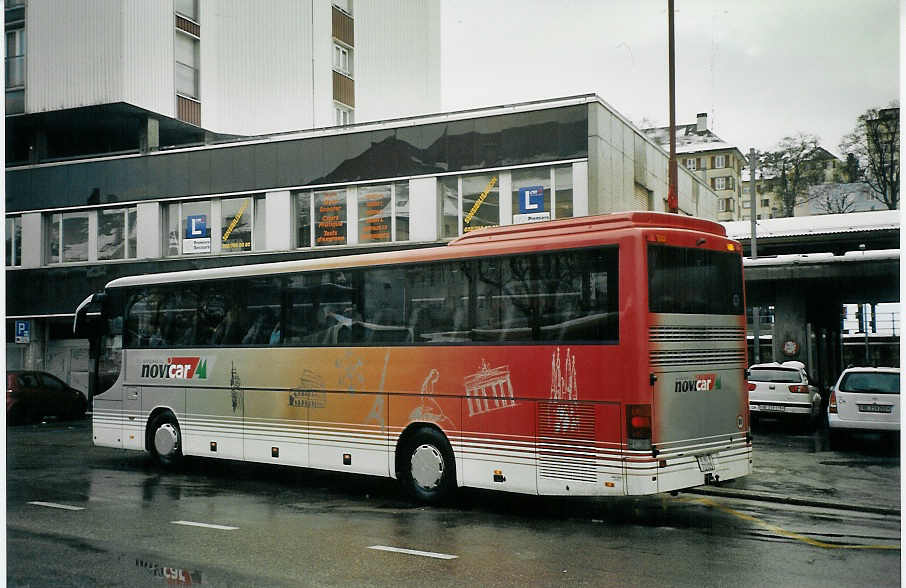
[165, 440]
[427, 469]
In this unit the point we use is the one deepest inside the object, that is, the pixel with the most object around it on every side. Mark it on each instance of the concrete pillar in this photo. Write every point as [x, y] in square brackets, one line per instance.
[278, 221]
[35, 350]
[790, 331]
[148, 230]
[424, 210]
[32, 245]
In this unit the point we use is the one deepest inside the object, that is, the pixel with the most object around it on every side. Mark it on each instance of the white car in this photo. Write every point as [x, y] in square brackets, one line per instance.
[864, 399]
[782, 390]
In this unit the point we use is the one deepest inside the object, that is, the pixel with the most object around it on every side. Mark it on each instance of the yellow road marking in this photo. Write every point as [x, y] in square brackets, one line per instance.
[783, 532]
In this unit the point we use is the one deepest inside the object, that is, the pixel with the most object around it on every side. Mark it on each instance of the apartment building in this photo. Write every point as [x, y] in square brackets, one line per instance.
[114, 76]
[718, 163]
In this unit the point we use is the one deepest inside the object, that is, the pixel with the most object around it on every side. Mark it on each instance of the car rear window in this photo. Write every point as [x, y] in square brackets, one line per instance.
[28, 381]
[871, 382]
[774, 375]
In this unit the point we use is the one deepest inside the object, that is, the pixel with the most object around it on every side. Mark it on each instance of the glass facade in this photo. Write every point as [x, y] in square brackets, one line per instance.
[532, 194]
[457, 146]
[375, 214]
[67, 234]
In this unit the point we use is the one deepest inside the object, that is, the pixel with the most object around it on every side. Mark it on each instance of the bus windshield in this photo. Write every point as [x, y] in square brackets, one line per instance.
[694, 281]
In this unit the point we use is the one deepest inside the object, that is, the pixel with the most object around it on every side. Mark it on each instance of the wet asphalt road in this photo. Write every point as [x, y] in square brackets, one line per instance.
[291, 527]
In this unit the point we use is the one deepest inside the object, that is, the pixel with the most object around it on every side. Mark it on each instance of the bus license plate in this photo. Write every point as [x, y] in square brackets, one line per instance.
[773, 407]
[705, 463]
[884, 408]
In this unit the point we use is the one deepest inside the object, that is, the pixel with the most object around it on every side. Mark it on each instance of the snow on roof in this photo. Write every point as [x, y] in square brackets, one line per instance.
[822, 258]
[851, 222]
[688, 139]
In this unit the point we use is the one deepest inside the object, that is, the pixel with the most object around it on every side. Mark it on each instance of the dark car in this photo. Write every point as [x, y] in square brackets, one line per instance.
[31, 396]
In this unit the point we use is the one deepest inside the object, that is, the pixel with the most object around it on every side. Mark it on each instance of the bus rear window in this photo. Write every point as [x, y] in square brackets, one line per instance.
[694, 281]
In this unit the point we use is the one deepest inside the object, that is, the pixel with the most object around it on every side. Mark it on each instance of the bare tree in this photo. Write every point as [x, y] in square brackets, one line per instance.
[875, 144]
[792, 168]
[832, 199]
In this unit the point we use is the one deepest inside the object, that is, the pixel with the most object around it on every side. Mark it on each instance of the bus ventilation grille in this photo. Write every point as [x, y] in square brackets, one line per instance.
[725, 357]
[566, 441]
[665, 334]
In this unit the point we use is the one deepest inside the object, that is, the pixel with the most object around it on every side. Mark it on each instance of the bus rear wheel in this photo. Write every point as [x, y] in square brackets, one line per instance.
[165, 440]
[427, 468]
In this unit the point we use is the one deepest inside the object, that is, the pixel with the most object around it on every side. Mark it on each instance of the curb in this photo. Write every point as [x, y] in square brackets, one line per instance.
[777, 498]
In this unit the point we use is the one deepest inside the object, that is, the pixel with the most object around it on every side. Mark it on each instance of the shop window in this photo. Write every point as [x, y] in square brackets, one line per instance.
[375, 213]
[116, 233]
[531, 194]
[330, 217]
[188, 227]
[448, 201]
[302, 216]
[563, 191]
[14, 241]
[401, 210]
[236, 224]
[480, 202]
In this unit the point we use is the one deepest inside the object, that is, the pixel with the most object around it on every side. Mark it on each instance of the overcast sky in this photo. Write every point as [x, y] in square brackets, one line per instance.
[761, 69]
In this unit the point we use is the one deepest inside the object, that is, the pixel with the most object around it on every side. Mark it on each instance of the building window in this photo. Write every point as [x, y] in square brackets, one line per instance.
[14, 241]
[330, 217]
[532, 193]
[236, 224]
[343, 115]
[342, 59]
[186, 8]
[448, 202]
[302, 217]
[189, 227]
[375, 213]
[186, 51]
[480, 202]
[116, 233]
[720, 183]
[726, 205]
[344, 5]
[690, 163]
[401, 210]
[765, 203]
[563, 191]
[15, 68]
[746, 204]
[720, 161]
[67, 237]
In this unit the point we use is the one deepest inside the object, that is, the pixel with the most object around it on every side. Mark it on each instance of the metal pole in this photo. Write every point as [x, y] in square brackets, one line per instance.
[672, 197]
[756, 327]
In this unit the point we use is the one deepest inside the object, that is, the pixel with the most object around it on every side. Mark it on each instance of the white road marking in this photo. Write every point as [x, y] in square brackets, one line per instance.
[205, 525]
[55, 505]
[414, 552]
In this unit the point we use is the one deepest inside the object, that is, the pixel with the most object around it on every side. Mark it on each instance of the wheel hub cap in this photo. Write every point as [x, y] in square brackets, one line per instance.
[165, 440]
[427, 466]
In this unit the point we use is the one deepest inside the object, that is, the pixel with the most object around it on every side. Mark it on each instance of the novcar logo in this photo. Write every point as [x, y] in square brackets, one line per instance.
[177, 368]
[699, 383]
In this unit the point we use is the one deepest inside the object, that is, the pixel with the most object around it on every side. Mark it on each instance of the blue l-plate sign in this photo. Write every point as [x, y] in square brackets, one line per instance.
[531, 199]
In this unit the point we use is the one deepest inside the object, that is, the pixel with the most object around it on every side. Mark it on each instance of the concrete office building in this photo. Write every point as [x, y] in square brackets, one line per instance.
[412, 182]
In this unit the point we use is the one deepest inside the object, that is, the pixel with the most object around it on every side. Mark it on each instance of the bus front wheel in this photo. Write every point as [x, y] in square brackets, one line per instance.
[165, 440]
[428, 470]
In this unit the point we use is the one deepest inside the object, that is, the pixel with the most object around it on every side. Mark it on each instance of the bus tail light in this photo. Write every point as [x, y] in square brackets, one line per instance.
[832, 403]
[638, 426]
[799, 389]
[752, 386]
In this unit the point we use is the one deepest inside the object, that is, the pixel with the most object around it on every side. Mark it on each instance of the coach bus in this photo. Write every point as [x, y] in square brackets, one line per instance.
[600, 355]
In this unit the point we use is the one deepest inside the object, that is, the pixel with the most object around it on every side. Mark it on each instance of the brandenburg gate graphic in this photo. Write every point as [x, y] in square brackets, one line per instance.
[489, 389]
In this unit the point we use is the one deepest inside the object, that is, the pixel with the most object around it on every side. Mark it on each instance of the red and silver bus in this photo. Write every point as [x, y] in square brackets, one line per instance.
[599, 355]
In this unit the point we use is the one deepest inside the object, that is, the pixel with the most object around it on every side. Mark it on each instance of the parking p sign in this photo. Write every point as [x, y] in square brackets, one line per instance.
[23, 331]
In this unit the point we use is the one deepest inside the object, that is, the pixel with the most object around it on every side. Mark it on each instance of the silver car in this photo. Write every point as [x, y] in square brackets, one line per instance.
[865, 399]
[782, 390]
